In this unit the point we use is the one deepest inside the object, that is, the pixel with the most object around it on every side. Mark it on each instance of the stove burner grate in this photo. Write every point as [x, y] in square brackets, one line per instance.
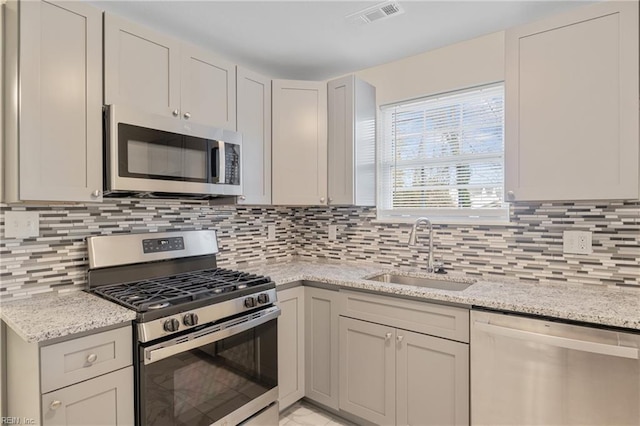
[161, 292]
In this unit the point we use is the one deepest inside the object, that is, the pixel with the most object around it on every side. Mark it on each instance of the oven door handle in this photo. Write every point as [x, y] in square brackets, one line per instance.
[178, 345]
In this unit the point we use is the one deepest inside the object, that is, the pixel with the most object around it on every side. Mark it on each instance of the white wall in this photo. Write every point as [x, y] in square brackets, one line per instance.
[461, 65]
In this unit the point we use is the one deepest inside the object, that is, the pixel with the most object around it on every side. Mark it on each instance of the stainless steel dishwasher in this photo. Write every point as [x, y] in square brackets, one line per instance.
[527, 371]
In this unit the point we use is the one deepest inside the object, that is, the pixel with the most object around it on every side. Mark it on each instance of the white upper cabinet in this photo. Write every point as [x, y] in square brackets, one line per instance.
[351, 142]
[142, 67]
[254, 122]
[208, 88]
[54, 138]
[162, 75]
[299, 119]
[572, 106]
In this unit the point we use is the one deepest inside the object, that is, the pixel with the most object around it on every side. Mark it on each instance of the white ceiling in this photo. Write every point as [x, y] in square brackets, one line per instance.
[312, 40]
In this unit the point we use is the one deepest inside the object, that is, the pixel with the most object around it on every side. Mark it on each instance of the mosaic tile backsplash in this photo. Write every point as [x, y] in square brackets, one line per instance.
[529, 248]
[57, 259]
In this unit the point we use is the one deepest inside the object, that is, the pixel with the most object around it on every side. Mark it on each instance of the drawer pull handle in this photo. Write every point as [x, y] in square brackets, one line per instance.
[92, 358]
[55, 405]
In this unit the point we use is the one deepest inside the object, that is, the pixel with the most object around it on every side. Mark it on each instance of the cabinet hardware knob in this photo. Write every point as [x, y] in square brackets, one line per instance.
[387, 336]
[176, 112]
[400, 337]
[187, 115]
[322, 199]
[242, 197]
[55, 405]
[96, 193]
[511, 195]
[92, 358]
[330, 200]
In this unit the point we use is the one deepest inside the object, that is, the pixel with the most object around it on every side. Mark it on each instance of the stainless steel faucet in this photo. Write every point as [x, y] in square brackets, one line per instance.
[413, 239]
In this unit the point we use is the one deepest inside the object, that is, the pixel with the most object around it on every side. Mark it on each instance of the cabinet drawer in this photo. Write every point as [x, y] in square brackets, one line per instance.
[80, 359]
[423, 317]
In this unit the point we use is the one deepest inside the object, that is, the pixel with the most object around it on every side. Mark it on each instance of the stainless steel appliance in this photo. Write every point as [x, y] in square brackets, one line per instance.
[528, 371]
[155, 156]
[206, 351]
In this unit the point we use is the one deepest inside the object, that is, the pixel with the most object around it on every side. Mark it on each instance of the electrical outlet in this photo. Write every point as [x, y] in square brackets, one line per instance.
[20, 224]
[271, 233]
[333, 231]
[577, 242]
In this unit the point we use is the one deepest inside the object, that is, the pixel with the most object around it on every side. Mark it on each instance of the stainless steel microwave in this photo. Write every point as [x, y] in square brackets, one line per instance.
[149, 155]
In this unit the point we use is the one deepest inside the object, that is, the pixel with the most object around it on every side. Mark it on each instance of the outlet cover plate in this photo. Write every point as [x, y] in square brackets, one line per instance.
[21, 224]
[577, 242]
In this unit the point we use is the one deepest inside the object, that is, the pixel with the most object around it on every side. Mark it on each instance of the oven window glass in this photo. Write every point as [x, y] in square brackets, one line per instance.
[154, 154]
[203, 385]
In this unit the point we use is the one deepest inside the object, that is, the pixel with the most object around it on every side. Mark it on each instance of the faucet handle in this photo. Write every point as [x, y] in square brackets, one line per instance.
[438, 267]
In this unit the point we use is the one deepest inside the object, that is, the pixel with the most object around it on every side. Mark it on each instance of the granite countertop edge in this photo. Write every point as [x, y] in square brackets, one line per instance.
[37, 319]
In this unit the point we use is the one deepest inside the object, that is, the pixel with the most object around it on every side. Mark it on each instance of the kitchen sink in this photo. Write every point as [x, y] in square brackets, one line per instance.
[422, 282]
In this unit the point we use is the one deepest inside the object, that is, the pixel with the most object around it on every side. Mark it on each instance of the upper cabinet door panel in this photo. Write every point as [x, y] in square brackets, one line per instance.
[299, 142]
[142, 67]
[208, 88]
[341, 140]
[61, 102]
[254, 122]
[572, 115]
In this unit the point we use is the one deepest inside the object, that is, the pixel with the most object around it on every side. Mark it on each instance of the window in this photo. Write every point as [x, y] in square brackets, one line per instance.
[443, 157]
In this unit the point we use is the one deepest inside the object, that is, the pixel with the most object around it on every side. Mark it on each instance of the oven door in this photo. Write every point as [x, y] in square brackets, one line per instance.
[220, 374]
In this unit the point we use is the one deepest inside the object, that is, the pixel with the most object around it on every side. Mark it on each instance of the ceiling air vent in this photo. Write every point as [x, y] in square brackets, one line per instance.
[378, 12]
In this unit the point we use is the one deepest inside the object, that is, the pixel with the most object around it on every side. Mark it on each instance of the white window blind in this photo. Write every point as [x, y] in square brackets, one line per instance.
[443, 157]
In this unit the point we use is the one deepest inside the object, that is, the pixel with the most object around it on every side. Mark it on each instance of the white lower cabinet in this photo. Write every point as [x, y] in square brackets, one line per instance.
[291, 346]
[105, 400]
[86, 381]
[321, 346]
[403, 362]
[393, 376]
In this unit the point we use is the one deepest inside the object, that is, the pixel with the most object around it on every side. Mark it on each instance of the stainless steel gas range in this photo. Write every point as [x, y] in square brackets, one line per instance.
[206, 337]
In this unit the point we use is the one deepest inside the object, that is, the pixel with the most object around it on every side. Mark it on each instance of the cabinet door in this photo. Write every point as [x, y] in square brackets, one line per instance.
[321, 351]
[367, 370]
[254, 122]
[299, 143]
[291, 346]
[572, 97]
[351, 142]
[208, 89]
[142, 67]
[432, 380]
[60, 101]
[105, 400]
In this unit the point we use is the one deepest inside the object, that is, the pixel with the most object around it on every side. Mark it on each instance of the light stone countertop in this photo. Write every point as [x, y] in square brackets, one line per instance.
[618, 307]
[50, 316]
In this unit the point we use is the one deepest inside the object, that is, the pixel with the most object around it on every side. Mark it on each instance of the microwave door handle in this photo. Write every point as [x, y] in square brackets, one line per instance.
[215, 162]
[222, 160]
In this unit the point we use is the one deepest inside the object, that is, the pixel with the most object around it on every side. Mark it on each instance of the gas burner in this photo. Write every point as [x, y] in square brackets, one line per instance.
[158, 305]
[132, 298]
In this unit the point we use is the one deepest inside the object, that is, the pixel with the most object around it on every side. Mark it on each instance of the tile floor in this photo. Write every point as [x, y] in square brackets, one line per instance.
[305, 414]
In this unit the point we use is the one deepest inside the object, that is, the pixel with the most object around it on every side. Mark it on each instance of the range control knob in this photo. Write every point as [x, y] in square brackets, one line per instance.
[190, 319]
[263, 298]
[171, 325]
[249, 302]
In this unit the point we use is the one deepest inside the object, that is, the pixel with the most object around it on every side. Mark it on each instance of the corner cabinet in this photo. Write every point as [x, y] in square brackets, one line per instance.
[53, 113]
[84, 381]
[253, 95]
[321, 350]
[572, 122]
[351, 142]
[162, 75]
[299, 143]
[290, 346]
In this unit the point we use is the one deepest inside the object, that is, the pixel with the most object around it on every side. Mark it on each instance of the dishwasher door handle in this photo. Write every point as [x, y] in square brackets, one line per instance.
[563, 342]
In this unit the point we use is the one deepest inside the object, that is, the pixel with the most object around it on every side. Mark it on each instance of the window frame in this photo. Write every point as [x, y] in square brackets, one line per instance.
[460, 216]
